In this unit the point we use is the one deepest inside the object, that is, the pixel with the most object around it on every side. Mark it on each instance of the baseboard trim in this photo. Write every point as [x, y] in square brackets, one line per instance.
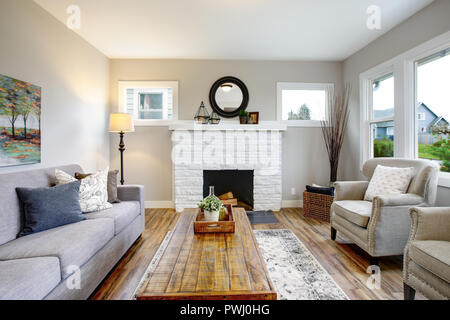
[292, 204]
[159, 205]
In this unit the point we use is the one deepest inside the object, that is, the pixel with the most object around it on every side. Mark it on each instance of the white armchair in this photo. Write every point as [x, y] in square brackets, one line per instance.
[381, 227]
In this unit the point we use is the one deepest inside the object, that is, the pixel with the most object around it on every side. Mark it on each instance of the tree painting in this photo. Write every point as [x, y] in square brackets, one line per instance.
[20, 132]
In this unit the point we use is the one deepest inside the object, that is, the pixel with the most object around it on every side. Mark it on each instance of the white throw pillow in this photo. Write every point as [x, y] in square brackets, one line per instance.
[388, 181]
[93, 190]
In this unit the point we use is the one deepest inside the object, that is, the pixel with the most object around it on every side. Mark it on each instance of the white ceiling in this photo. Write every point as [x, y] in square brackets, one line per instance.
[232, 29]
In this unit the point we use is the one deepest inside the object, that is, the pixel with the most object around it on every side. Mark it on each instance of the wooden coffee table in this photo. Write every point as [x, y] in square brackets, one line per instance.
[213, 266]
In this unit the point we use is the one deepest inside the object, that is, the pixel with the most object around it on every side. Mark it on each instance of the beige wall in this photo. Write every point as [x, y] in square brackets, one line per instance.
[425, 25]
[37, 48]
[148, 158]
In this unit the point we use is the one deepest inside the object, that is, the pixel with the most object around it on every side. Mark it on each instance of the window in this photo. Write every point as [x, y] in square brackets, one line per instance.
[433, 100]
[420, 79]
[382, 116]
[303, 104]
[150, 102]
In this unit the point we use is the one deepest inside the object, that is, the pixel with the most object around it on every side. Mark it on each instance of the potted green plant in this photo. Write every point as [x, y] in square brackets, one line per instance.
[211, 206]
[243, 117]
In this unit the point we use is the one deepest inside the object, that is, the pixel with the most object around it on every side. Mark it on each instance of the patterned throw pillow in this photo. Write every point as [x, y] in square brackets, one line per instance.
[112, 184]
[388, 181]
[93, 190]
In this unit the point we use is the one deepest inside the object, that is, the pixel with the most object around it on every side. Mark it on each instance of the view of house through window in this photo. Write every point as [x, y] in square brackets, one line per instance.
[433, 108]
[382, 116]
[149, 101]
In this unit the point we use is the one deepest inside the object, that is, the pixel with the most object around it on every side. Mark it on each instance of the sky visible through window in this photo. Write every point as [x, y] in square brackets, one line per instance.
[433, 86]
[383, 98]
[292, 100]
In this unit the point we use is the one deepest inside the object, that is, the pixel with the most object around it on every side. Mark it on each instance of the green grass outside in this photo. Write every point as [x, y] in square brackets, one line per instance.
[439, 151]
[428, 151]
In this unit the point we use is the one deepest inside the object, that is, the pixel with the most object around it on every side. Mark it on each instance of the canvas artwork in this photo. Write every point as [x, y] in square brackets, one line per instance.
[20, 122]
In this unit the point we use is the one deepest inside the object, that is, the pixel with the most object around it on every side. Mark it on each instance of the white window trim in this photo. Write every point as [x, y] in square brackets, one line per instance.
[329, 87]
[405, 117]
[124, 85]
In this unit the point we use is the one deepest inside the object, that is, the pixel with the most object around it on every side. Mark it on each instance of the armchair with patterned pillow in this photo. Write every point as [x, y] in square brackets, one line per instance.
[381, 226]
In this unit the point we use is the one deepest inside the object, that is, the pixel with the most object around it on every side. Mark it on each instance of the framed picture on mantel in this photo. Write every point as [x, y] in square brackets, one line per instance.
[254, 116]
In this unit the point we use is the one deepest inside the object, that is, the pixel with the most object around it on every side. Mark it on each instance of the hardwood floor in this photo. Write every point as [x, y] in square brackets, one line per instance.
[345, 262]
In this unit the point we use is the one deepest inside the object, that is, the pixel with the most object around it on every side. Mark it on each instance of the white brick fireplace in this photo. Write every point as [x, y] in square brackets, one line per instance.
[227, 146]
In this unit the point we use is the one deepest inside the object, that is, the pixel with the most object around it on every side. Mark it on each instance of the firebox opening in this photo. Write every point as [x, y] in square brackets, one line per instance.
[238, 182]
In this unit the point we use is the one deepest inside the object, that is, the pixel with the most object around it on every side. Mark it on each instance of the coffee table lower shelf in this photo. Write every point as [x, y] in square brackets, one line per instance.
[211, 266]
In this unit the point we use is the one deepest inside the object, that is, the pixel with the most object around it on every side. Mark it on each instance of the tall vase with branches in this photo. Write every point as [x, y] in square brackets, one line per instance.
[334, 127]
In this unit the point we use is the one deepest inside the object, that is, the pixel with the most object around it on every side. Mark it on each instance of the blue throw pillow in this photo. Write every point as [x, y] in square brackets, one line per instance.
[48, 208]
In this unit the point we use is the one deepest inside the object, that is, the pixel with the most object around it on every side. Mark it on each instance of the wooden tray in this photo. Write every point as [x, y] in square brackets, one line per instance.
[226, 226]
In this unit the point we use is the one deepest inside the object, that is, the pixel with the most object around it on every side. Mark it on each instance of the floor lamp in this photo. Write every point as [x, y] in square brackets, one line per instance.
[121, 123]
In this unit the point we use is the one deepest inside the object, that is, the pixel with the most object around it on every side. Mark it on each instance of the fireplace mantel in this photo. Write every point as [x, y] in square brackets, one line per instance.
[227, 146]
[228, 125]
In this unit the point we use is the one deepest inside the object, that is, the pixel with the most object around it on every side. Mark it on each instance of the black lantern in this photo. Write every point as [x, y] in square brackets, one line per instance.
[202, 115]
[214, 119]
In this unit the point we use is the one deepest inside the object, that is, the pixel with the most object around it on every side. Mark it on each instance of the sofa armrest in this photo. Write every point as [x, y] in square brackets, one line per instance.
[407, 199]
[430, 224]
[350, 190]
[132, 193]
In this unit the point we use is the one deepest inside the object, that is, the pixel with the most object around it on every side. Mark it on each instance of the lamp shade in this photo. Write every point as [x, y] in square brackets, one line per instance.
[121, 122]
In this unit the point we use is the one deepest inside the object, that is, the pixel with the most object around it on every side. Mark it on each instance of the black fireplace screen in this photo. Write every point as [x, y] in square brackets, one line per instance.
[239, 182]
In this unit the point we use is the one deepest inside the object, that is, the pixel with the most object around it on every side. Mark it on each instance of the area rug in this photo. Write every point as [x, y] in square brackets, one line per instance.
[295, 273]
[261, 217]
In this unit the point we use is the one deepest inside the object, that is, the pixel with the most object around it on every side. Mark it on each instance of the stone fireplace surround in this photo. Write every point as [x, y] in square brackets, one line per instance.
[227, 146]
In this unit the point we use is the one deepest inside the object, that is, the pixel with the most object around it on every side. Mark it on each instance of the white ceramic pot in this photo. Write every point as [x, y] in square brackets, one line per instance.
[212, 215]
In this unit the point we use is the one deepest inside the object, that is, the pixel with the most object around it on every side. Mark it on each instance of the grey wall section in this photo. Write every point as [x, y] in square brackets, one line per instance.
[148, 158]
[425, 25]
[74, 76]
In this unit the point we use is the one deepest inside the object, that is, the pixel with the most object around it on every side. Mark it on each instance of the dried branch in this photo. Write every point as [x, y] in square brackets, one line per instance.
[334, 127]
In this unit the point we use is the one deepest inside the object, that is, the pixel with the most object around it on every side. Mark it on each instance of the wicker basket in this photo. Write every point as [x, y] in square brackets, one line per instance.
[317, 206]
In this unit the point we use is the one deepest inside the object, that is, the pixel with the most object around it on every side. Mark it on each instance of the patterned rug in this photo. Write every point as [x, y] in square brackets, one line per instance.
[294, 271]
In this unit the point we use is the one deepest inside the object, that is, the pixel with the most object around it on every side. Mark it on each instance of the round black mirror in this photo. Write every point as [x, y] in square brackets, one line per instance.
[228, 96]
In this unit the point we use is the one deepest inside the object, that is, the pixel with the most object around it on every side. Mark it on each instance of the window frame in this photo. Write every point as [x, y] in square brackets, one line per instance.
[327, 87]
[371, 120]
[405, 118]
[123, 85]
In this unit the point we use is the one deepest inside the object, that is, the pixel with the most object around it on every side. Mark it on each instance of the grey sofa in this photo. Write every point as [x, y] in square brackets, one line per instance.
[381, 227]
[42, 265]
[427, 254]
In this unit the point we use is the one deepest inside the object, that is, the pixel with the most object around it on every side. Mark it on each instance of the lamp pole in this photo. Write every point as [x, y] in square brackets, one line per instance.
[121, 123]
[121, 149]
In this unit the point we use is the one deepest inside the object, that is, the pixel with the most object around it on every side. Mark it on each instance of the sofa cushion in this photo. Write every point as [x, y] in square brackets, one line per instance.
[73, 244]
[433, 256]
[355, 211]
[48, 208]
[28, 279]
[11, 215]
[122, 213]
[93, 190]
[112, 184]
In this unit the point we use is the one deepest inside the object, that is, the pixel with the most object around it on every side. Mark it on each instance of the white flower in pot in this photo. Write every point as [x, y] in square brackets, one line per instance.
[211, 206]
